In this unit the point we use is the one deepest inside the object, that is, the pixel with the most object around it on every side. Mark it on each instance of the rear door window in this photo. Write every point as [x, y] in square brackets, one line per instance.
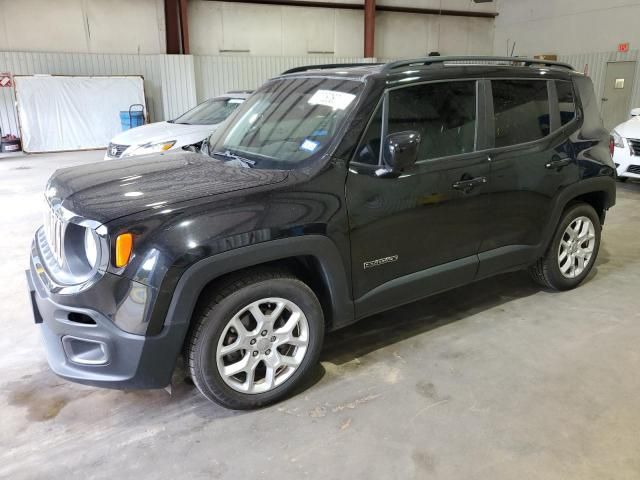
[443, 113]
[521, 111]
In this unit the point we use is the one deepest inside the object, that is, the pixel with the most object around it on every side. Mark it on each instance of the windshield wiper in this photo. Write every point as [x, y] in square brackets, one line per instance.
[235, 160]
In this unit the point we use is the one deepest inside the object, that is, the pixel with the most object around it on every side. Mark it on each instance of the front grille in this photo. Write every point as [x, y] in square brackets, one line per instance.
[54, 228]
[634, 145]
[115, 150]
[634, 169]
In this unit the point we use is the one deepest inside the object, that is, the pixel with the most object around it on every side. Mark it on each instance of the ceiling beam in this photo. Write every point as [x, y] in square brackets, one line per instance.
[369, 28]
[184, 26]
[176, 26]
[380, 8]
[172, 26]
[436, 11]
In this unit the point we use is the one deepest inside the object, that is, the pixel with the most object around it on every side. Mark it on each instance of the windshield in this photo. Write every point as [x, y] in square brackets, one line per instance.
[210, 112]
[287, 123]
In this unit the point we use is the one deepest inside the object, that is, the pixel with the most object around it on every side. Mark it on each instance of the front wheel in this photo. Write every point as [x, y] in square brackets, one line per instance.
[573, 250]
[257, 339]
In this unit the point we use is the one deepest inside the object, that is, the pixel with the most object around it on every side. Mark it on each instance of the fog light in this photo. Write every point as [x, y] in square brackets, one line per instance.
[85, 352]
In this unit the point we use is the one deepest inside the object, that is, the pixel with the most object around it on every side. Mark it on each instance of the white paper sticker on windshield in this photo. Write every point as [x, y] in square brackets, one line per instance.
[236, 100]
[309, 145]
[329, 98]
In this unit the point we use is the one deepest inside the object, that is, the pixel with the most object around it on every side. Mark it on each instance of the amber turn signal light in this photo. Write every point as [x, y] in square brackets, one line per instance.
[124, 246]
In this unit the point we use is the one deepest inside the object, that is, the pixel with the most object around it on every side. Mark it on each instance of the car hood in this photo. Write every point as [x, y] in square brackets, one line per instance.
[630, 128]
[108, 190]
[160, 132]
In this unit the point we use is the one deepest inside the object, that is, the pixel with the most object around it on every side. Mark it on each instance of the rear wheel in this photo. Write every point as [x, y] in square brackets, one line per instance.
[573, 250]
[256, 340]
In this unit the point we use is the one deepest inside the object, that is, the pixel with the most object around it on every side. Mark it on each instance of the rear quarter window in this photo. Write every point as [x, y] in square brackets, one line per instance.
[566, 101]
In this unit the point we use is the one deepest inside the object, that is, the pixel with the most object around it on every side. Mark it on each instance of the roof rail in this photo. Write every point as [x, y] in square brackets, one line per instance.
[527, 62]
[326, 66]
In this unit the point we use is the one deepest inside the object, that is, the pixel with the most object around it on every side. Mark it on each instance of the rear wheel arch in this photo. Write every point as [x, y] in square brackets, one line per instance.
[547, 270]
[598, 192]
[597, 199]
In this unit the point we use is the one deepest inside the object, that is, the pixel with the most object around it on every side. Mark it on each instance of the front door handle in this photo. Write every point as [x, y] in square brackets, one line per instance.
[558, 163]
[468, 185]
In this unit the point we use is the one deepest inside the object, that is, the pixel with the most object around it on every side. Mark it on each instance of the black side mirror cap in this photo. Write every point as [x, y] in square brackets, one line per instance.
[400, 152]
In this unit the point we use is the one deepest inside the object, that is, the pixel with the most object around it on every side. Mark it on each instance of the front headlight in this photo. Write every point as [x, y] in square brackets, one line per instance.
[150, 148]
[83, 252]
[617, 139]
[91, 246]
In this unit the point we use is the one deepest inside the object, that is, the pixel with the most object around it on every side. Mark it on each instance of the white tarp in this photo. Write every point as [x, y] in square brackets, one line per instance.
[73, 113]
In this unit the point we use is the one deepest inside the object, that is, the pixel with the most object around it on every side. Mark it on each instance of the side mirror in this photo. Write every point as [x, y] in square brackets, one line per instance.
[191, 148]
[400, 151]
[195, 147]
[635, 112]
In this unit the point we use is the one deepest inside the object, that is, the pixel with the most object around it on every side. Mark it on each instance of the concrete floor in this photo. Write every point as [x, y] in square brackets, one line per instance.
[498, 380]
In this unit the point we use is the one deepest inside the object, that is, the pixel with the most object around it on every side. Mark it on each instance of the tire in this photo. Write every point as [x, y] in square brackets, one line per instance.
[548, 272]
[266, 378]
[622, 179]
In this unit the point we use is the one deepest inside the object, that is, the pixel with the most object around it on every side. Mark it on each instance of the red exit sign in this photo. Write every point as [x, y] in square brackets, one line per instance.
[623, 47]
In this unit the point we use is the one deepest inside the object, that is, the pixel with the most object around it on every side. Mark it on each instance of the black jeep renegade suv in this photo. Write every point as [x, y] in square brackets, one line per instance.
[328, 196]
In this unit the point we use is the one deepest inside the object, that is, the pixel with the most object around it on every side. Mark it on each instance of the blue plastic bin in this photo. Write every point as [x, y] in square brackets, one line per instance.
[131, 119]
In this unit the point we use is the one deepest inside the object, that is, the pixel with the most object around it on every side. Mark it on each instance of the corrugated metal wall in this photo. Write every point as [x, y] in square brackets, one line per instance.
[175, 83]
[596, 64]
[178, 84]
[29, 63]
[218, 74]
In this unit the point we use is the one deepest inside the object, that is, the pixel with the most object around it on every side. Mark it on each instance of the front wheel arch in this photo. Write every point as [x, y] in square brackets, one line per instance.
[326, 272]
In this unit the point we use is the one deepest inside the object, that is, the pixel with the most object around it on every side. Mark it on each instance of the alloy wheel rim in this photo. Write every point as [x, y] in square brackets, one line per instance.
[262, 345]
[576, 247]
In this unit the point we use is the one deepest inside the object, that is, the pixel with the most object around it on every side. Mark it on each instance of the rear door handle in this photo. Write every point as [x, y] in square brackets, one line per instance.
[558, 163]
[468, 185]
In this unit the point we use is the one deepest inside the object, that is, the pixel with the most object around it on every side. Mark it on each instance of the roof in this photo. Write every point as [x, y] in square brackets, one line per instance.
[244, 94]
[424, 65]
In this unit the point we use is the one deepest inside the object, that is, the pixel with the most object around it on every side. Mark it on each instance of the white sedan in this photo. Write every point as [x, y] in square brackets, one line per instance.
[189, 128]
[625, 147]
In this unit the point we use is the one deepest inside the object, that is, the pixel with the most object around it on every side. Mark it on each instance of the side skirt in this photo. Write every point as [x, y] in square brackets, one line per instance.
[417, 285]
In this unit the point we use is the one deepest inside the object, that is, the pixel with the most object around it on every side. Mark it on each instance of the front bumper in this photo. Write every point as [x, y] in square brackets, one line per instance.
[627, 165]
[83, 343]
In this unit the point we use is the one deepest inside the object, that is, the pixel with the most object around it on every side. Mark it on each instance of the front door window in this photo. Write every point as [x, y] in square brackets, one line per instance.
[443, 113]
